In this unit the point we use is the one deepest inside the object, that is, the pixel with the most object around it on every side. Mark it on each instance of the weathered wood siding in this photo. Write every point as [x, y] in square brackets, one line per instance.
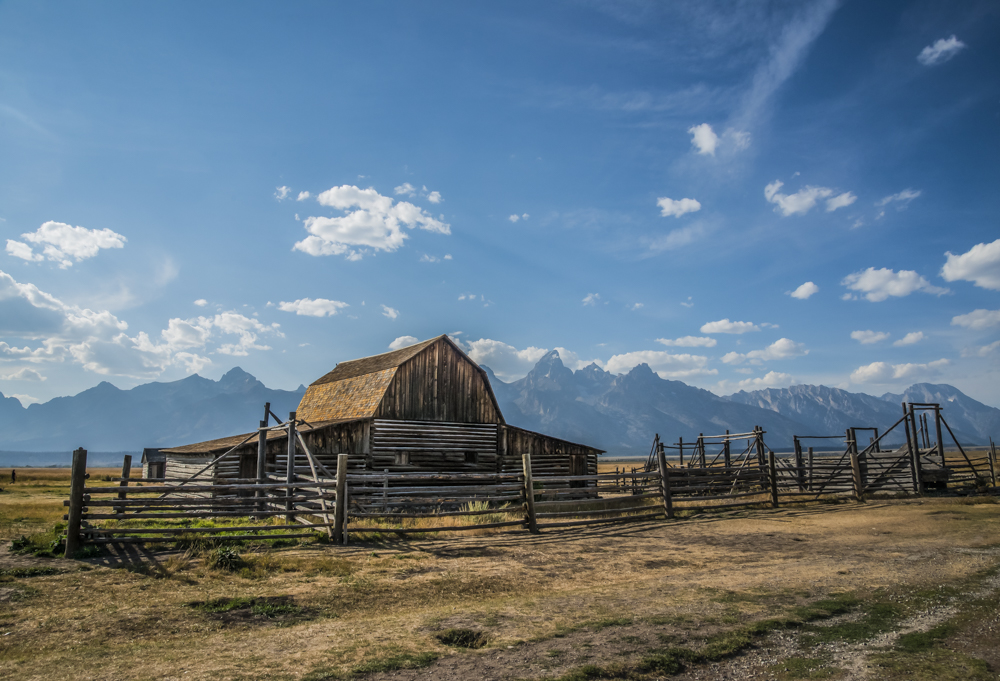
[356, 397]
[549, 456]
[439, 384]
[434, 446]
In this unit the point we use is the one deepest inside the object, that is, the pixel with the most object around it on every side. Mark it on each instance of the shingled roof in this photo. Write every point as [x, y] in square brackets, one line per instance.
[375, 363]
[223, 443]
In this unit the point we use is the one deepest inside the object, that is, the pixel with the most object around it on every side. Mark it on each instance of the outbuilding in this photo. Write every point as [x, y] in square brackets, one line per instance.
[424, 408]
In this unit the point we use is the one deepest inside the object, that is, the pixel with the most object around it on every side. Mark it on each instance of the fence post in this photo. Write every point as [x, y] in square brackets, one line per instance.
[859, 490]
[78, 478]
[262, 462]
[680, 450]
[800, 474]
[772, 476]
[126, 472]
[529, 492]
[918, 485]
[852, 437]
[340, 509]
[809, 452]
[290, 469]
[993, 462]
[701, 449]
[661, 461]
[759, 438]
[937, 433]
[725, 450]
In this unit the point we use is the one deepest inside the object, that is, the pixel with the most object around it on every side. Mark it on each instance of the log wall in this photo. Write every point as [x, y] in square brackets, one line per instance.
[549, 456]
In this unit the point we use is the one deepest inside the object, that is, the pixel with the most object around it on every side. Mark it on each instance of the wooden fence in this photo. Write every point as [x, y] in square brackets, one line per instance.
[718, 473]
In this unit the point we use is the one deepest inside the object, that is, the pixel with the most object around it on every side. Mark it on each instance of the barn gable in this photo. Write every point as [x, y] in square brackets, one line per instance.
[430, 381]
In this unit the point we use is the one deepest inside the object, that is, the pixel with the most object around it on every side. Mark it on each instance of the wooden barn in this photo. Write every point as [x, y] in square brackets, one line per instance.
[427, 407]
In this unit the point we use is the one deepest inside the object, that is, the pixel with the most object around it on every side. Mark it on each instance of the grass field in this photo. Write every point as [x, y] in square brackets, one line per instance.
[903, 589]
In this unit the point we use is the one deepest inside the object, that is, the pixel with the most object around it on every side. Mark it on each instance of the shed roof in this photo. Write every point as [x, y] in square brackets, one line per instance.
[223, 443]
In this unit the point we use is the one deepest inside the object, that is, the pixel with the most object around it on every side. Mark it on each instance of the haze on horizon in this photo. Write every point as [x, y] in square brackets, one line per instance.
[738, 197]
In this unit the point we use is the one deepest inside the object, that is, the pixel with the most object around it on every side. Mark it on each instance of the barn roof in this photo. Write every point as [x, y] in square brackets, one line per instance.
[223, 443]
[355, 388]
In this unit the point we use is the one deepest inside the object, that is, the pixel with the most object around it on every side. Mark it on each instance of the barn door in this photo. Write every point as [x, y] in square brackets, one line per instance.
[578, 466]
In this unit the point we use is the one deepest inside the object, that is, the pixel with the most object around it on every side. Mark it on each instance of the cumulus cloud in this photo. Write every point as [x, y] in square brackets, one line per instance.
[389, 312]
[883, 372]
[980, 265]
[688, 342]
[406, 189]
[506, 361]
[677, 207]
[941, 51]
[982, 350]
[977, 319]
[22, 374]
[804, 291]
[704, 139]
[804, 200]
[516, 218]
[783, 348]
[772, 379]
[726, 326]
[281, 193]
[435, 197]
[910, 339]
[840, 201]
[869, 337]
[201, 302]
[666, 365]
[878, 284]
[403, 342]
[591, 298]
[313, 307]
[97, 340]
[303, 196]
[63, 243]
[903, 198]
[375, 223]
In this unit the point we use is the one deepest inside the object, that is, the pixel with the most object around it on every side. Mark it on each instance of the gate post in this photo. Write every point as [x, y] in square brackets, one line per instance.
[290, 470]
[661, 461]
[126, 474]
[937, 433]
[918, 484]
[810, 454]
[261, 464]
[993, 462]
[772, 477]
[725, 450]
[340, 507]
[78, 478]
[800, 474]
[859, 490]
[529, 492]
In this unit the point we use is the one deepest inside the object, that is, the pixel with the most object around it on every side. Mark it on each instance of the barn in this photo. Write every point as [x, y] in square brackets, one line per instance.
[424, 408]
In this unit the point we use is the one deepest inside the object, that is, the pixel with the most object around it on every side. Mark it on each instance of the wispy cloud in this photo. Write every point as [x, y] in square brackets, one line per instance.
[941, 51]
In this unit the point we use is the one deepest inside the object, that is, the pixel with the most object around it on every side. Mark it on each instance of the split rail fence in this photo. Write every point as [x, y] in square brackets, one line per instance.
[719, 472]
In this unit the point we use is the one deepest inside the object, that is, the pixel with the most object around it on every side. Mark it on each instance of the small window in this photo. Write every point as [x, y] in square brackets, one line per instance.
[402, 458]
[471, 457]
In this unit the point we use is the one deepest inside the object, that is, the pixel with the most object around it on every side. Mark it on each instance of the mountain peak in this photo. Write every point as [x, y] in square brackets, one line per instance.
[237, 380]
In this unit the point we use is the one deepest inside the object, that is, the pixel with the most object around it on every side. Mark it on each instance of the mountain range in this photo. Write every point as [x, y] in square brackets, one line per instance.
[617, 413]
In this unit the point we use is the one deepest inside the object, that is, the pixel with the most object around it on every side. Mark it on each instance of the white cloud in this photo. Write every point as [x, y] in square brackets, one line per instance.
[704, 139]
[281, 193]
[434, 197]
[313, 307]
[878, 284]
[22, 374]
[403, 342]
[688, 342]
[25, 400]
[303, 196]
[405, 189]
[982, 351]
[804, 291]
[688, 302]
[635, 306]
[802, 201]
[201, 302]
[516, 218]
[677, 207]
[977, 319]
[772, 379]
[61, 242]
[389, 312]
[726, 326]
[840, 201]
[676, 238]
[980, 265]
[591, 298]
[941, 51]
[910, 339]
[377, 223]
[783, 348]
[883, 372]
[903, 198]
[666, 365]
[506, 361]
[571, 360]
[869, 337]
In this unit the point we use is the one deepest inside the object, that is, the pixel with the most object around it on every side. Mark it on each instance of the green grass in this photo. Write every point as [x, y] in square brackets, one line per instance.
[393, 662]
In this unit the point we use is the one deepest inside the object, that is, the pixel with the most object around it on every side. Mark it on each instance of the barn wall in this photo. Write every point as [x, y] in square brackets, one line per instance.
[434, 446]
[439, 384]
[549, 456]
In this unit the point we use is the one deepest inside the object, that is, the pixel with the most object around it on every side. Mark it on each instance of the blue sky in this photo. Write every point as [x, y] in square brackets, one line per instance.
[739, 195]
